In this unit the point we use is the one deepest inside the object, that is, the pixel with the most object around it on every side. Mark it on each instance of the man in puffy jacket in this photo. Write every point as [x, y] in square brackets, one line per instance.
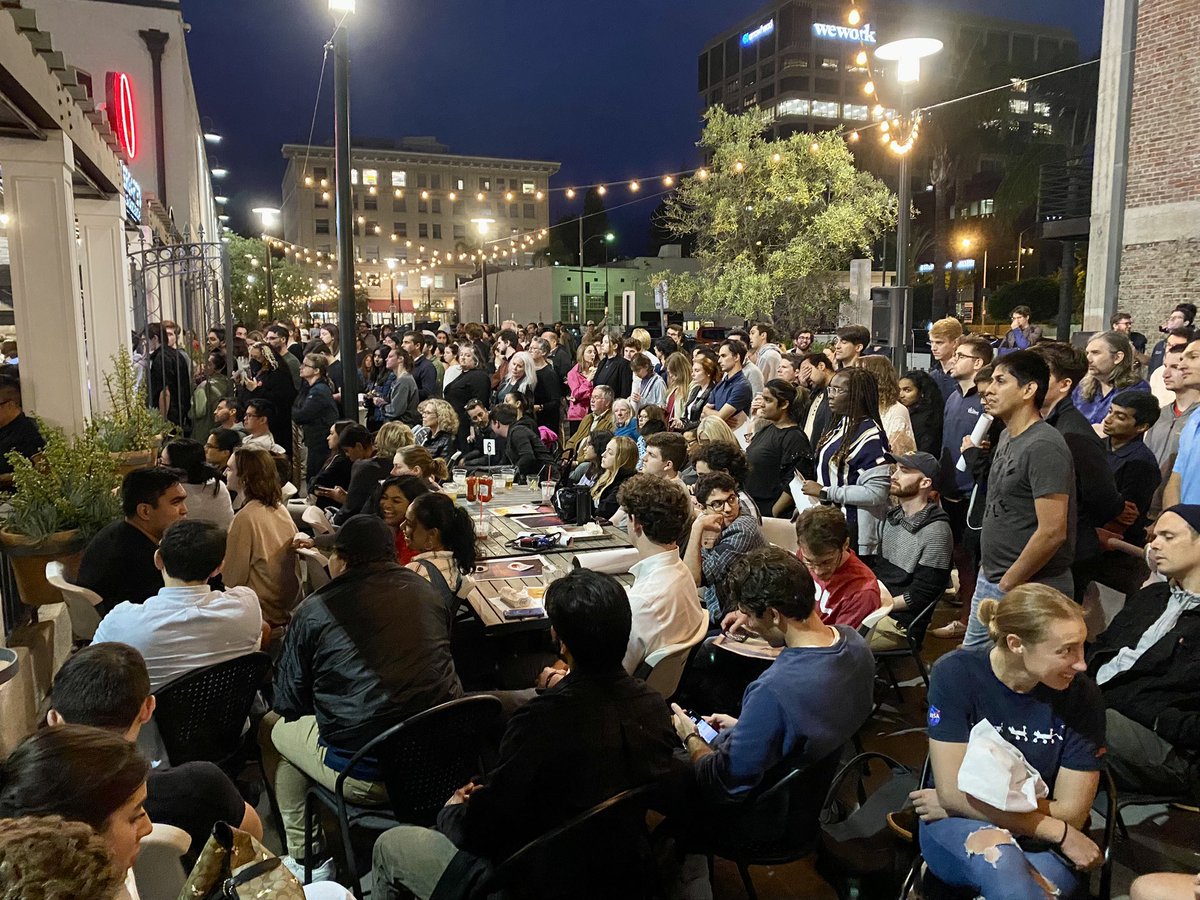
[363, 653]
[523, 444]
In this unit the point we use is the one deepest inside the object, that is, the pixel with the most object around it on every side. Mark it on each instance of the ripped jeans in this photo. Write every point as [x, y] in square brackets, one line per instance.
[960, 856]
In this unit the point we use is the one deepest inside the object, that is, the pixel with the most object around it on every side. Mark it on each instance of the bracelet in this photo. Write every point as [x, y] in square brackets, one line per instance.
[696, 735]
[1066, 831]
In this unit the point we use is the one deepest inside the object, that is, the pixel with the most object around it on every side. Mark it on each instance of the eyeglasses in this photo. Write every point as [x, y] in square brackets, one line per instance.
[720, 505]
[835, 391]
[251, 415]
[958, 355]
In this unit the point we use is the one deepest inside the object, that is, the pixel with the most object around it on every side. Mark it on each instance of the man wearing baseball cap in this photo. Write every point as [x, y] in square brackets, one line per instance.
[1147, 663]
[915, 549]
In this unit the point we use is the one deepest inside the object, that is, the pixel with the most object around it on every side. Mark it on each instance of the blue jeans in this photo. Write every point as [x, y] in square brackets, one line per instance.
[1001, 872]
[977, 632]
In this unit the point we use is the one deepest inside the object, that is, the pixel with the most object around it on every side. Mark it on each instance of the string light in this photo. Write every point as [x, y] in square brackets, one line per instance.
[739, 166]
[668, 181]
[854, 16]
[634, 186]
[601, 190]
[570, 193]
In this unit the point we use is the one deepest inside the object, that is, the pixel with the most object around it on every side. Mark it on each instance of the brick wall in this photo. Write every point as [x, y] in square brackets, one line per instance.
[1155, 277]
[1164, 157]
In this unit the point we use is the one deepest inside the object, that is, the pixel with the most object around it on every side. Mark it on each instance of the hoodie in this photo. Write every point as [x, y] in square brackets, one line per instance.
[768, 358]
[914, 559]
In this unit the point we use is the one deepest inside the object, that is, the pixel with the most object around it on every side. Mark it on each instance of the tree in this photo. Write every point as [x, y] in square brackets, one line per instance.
[774, 220]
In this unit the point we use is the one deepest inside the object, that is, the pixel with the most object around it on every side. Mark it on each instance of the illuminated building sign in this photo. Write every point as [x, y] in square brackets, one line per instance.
[863, 35]
[133, 196]
[749, 37]
[120, 109]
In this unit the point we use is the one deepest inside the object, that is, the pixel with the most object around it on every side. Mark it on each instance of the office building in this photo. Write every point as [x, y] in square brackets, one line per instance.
[425, 209]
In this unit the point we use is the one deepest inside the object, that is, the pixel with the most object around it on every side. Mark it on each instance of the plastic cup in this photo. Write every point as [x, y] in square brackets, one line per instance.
[460, 477]
[508, 474]
[548, 492]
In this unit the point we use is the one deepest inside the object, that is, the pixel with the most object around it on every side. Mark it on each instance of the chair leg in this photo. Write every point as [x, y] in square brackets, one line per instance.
[887, 665]
[308, 837]
[916, 655]
[1121, 827]
[348, 848]
[747, 881]
[1105, 880]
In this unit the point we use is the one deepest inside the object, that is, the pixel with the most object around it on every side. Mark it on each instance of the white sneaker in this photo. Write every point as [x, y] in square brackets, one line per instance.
[322, 871]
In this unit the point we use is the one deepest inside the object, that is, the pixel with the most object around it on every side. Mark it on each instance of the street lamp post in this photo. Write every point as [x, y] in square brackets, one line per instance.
[391, 264]
[907, 53]
[268, 215]
[483, 224]
[608, 237]
[1021, 249]
[966, 244]
[343, 9]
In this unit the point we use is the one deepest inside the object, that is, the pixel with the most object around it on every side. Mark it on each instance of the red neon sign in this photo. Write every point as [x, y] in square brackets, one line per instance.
[120, 111]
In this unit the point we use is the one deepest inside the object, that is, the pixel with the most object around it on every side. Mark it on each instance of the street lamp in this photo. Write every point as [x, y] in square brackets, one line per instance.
[483, 224]
[966, 245]
[268, 215]
[907, 53]
[391, 264]
[342, 10]
[608, 237]
[1022, 249]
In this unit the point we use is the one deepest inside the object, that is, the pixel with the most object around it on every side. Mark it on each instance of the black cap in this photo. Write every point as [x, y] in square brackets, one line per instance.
[365, 537]
[924, 463]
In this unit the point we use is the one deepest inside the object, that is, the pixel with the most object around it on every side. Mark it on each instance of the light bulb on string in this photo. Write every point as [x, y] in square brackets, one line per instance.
[702, 174]
[601, 190]
[668, 181]
[570, 193]
[634, 186]
[869, 87]
[854, 16]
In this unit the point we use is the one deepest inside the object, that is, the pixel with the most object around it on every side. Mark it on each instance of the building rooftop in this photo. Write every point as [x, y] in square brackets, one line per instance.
[416, 149]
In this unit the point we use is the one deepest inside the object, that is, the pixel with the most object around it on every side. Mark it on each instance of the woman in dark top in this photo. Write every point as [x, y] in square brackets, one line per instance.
[704, 376]
[617, 465]
[471, 384]
[314, 411]
[336, 471]
[778, 451]
[614, 369]
[587, 473]
[926, 409]
[441, 422]
[1031, 686]
[270, 379]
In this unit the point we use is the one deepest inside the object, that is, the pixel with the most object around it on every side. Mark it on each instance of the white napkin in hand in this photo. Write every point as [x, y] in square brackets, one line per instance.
[997, 773]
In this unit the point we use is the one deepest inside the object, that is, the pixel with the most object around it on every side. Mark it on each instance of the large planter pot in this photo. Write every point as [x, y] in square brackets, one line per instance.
[130, 460]
[28, 559]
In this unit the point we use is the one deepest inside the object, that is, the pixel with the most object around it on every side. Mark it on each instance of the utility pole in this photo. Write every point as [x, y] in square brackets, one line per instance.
[345, 235]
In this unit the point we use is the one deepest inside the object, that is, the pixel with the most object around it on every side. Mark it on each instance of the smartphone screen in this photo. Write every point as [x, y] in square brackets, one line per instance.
[705, 730]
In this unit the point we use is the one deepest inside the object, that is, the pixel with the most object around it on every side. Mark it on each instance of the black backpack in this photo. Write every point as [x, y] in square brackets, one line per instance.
[574, 505]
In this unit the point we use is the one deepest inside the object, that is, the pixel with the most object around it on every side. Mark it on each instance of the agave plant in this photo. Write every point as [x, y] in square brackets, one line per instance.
[70, 485]
[131, 424]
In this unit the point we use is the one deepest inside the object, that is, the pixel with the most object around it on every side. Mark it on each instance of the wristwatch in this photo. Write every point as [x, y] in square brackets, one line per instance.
[696, 735]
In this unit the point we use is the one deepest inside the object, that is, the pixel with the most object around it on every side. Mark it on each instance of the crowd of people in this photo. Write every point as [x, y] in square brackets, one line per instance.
[813, 500]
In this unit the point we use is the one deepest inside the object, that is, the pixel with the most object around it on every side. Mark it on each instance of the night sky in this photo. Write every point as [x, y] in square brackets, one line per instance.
[606, 88]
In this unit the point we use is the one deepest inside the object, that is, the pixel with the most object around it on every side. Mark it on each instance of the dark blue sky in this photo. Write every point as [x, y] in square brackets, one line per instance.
[607, 88]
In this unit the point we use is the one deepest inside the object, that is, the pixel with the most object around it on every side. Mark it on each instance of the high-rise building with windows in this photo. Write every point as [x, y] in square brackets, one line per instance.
[422, 207]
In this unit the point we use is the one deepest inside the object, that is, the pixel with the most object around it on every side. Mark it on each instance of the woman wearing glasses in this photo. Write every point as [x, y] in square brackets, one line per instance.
[852, 470]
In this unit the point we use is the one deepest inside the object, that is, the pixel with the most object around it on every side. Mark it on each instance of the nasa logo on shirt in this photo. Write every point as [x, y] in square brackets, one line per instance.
[935, 715]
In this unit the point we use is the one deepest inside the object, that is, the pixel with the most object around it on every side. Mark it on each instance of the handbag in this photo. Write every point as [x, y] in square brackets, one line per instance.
[574, 505]
[234, 865]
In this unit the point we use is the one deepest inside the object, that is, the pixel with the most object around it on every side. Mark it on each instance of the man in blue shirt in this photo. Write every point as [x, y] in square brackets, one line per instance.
[1184, 484]
[731, 397]
[785, 711]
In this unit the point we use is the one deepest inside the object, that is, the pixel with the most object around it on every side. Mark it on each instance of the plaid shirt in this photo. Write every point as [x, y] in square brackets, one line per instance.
[736, 540]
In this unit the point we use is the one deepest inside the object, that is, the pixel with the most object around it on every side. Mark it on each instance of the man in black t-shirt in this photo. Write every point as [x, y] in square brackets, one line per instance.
[107, 686]
[17, 431]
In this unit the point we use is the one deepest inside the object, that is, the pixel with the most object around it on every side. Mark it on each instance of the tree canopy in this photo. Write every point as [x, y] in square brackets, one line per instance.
[774, 221]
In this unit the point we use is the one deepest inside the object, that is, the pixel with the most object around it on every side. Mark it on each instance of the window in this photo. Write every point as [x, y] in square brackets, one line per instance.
[1043, 128]
[354, 176]
[372, 254]
[423, 230]
[435, 182]
[320, 202]
[323, 226]
[1020, 107]
[439, 281]
[485, 184]
[825, 109]
[400, 205]
[527, 187]
[460, 231]
[373, 227]
[437, 206]
[323, 248]
[766, 92]
[748, 101]
[458, 208]
[513, 210]
[402, 280]
[987, 207]
[795, 83]
[796, 61]
[877, 115]
[399, 178]
[320, 173]
[370, 177]
[766, 70]
[501, 210]
[500, 184]
[792, 107]
[437, 231]
[400, 229]
[827, 86]
[1042, 109]
[856, 112]
[831, 63]
[370, 202]
[422, 181]
[460, 184]
[527, 211]
[422, 206]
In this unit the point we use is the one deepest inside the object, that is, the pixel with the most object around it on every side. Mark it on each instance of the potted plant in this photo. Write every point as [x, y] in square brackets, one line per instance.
[60, 500]
[131, 430]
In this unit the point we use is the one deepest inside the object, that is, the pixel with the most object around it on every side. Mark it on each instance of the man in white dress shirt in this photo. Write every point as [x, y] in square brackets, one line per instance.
[187, 625]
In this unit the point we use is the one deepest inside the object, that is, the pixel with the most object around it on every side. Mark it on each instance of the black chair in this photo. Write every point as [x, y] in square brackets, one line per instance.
[773, 824]
[423, 760]
[202, 715]
[603, 852]
[922, 883]
[919, 625]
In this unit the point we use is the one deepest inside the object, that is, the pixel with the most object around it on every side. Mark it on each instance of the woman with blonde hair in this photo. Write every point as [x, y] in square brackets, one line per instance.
[522, 378]
[714, 428]
[679, 386]
[617, 465]
[257, 551]
[270, 380]
[1030, 683]
[897, 424]
[392, 437]
[416, 460]
[440, 422]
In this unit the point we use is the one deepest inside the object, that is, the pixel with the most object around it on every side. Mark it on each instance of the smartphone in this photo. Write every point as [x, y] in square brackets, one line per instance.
[705, 730]
[525, 612]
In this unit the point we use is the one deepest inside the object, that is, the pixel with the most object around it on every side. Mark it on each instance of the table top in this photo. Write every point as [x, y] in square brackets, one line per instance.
[485, 597]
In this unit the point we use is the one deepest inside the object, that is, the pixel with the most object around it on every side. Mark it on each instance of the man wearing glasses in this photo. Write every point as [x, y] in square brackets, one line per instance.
[720, 534]
[17, 431]
[258, 428]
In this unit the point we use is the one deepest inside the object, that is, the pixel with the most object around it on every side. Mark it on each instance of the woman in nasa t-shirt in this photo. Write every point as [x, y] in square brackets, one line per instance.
[1031, 685]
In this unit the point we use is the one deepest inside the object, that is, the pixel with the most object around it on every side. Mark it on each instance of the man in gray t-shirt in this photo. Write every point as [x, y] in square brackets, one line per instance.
[1029, 521]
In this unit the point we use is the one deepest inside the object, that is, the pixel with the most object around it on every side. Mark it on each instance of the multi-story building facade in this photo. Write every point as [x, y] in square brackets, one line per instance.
[424, 209]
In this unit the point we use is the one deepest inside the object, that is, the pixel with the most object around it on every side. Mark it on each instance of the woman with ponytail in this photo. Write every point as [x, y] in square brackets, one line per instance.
[208, 499]
[1030, 683]
[416, 460]
[779, 449]
[442, 535]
